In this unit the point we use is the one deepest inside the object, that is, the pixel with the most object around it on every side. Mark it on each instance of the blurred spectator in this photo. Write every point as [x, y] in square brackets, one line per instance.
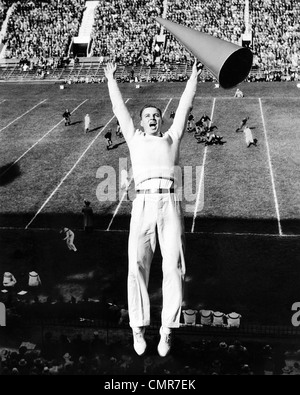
[88, 214]
[286, 371]
[238, 355]
[124, 317]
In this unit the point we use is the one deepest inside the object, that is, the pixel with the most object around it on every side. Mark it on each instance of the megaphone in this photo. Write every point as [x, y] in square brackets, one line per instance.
[228, 62]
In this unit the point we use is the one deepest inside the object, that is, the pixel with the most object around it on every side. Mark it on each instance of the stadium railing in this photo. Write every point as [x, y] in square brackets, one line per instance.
[91, 68]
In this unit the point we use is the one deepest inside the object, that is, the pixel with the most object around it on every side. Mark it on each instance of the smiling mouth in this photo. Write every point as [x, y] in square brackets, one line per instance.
[152, 124]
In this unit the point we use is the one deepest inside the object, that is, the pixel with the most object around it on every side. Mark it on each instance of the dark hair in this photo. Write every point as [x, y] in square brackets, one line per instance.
[149, 106]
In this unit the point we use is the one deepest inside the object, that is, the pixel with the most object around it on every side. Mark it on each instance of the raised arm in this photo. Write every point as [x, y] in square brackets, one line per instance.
[119, 107]
[186, 102]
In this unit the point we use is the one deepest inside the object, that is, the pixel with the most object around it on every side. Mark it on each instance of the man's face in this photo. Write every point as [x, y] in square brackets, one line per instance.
[151, 121]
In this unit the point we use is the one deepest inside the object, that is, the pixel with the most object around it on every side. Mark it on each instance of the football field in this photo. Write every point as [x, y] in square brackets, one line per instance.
[47, 169]
[241, 205]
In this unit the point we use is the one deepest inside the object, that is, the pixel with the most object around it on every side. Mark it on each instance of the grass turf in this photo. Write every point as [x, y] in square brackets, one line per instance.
[226, 271]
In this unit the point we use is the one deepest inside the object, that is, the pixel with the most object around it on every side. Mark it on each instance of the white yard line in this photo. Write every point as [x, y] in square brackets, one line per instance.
[2, 101]
[16, 119]
[118, 206]
[165, 110]
[271, 171]
[200, 190]
[67, 175]
[201, 184]
[124, 194]
[38, 141]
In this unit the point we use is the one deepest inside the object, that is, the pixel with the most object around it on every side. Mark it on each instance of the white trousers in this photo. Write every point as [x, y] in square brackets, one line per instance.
[152, 215]
[248, 136]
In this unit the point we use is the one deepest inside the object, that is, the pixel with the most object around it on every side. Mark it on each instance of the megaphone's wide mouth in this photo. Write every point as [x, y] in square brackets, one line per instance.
[236, 68]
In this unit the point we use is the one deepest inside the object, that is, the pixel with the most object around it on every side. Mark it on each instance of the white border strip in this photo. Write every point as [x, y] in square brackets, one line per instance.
[38, 141]
[16, 119]
[271, 171]
[201, 184]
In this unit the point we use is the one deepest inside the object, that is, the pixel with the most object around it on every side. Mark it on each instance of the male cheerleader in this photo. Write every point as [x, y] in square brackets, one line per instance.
[154, 158]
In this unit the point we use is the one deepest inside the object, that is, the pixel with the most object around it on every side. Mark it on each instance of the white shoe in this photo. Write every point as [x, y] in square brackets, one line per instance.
[139, 342]
[164, 345]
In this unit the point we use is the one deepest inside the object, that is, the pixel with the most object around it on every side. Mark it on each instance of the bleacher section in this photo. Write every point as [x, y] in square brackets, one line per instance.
[126, 31]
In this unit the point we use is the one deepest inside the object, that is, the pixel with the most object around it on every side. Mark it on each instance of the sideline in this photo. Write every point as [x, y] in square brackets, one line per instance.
[271, 171]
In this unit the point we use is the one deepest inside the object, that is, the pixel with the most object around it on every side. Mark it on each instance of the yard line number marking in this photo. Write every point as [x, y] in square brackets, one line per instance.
[38, 141]
[16, 119]
[201, 183]
[124, 194]
[271, 170]
[68, 173]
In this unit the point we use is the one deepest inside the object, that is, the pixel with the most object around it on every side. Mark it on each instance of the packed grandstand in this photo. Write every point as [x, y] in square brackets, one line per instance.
[41, 38]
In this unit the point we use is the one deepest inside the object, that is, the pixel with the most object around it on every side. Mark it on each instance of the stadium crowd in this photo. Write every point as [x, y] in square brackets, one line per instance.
[223, 19]
[4, 6]
[44, 29]
[276, 32]
[89, 352]
[125, 31]
[32, 302]
[88, 349]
